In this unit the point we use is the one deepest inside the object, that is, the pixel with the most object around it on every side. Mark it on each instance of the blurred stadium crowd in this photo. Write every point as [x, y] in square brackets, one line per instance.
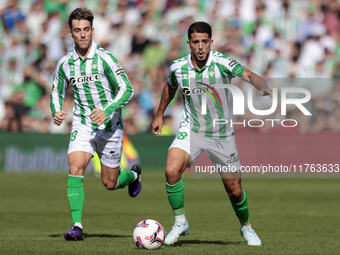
[290, 43]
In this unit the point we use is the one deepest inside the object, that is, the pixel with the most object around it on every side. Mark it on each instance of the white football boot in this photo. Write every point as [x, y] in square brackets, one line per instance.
[250, 236]
[181, 228]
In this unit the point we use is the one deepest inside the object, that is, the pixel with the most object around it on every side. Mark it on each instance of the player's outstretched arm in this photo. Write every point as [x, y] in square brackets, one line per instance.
[59, 117]
[167, 95]
[258, 82]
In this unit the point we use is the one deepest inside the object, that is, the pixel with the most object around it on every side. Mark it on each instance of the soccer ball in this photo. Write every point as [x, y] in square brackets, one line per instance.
[148, 234]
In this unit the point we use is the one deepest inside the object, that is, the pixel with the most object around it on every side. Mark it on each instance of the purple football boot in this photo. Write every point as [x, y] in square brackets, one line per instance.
[136, 186]
[76, 234]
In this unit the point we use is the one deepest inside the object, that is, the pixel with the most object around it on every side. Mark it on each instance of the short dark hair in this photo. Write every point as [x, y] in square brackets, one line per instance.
[80, 14]
[199, 27]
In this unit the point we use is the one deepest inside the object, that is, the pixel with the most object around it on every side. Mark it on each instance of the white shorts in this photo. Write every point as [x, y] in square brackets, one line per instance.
[108, 145]
[220, 152]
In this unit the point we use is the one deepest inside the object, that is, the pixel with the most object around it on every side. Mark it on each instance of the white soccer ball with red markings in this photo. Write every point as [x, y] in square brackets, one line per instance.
[149, 234]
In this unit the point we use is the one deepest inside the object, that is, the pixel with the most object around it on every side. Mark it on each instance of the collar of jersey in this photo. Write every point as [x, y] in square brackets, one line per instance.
[206, 64]
[89, 56]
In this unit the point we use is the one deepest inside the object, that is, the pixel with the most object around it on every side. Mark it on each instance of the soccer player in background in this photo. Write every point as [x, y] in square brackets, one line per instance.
[100, 88]
[197, 133]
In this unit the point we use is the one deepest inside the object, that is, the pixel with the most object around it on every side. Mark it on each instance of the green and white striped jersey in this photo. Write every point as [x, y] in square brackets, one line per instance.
[219, 69]
[97, 82]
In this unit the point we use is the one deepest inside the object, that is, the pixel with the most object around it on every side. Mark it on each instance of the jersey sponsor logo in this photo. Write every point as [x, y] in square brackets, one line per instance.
[119, 70]
[84, 79]
[197, 90]
[233, 63]
[209, 89]
[210, 94]
[233, 158]
[186, 91]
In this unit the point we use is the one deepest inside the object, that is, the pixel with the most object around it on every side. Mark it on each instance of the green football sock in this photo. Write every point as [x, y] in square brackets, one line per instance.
[75, 195]
[176, 197]
[125, 177]
[241, 210]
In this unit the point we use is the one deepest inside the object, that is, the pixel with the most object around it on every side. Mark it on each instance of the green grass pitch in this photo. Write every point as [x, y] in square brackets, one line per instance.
[291, 216]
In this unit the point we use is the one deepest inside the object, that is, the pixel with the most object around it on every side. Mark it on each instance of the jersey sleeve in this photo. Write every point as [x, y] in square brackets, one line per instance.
[233, 67]
[120, 81]
[172, 79]
[59, 87]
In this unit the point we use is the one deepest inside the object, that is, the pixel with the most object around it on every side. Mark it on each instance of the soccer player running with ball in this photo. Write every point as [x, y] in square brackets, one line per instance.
[100, 88]
[196, 74]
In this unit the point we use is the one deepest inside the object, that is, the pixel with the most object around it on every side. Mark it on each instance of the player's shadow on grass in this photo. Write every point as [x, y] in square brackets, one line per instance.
[182, 242]
[96, 235]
